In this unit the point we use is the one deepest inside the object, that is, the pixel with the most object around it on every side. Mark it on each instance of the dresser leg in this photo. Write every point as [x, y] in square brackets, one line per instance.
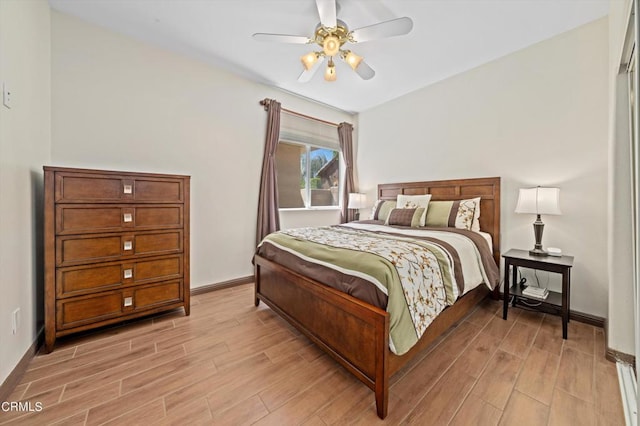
[49, 341]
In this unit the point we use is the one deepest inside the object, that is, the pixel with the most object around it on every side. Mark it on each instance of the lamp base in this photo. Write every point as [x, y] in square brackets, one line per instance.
[538, 227]
[538, 252]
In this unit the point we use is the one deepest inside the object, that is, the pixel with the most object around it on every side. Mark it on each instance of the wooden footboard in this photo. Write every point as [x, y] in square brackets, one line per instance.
[351, 331]
[354, 333]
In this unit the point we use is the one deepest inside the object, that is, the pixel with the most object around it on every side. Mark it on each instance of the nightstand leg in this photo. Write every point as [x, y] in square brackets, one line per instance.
[505, 305]
[565, 302]
[514, 281]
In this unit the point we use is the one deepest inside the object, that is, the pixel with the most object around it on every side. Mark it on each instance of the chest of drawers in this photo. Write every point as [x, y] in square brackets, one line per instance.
[116, 247]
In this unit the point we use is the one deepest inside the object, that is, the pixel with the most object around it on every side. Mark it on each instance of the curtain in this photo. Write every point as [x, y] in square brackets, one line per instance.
[345, 135]
[268, 215]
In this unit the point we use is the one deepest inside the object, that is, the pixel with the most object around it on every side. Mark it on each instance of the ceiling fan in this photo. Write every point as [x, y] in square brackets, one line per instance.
[331, 34]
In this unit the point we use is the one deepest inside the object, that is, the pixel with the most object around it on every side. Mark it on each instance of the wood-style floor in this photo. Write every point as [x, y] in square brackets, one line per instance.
[231, 363]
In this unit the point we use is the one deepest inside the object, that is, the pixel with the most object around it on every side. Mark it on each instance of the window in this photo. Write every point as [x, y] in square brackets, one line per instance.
[308, 164]
[308, 176]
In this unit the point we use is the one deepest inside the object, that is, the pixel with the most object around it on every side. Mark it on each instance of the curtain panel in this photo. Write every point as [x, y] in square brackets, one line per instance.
[268, 214]
[345, 135]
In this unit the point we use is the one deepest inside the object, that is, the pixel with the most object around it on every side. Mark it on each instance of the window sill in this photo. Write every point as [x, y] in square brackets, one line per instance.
[309, 209]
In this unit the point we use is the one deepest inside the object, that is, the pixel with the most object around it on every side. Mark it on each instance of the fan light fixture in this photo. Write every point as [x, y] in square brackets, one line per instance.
[331, 45]
[352, 59]
[330, 72]
[309, 60]
[330, 36]
[331, 41]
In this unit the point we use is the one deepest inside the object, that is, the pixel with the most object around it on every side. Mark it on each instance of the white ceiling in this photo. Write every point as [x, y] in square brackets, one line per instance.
[448, 37]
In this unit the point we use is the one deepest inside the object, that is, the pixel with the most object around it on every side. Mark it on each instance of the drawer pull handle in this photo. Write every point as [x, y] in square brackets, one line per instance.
[127, 189]
[128, 301]
[128, 217]
[128, 245]
[128, 273]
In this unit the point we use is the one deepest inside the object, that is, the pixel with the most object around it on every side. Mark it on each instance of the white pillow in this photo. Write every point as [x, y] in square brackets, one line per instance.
[413, 202]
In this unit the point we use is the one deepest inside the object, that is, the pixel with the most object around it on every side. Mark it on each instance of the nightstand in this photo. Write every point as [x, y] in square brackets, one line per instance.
[555, 302]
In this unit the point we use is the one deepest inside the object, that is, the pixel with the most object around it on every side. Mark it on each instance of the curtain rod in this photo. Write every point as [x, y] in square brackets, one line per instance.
[265, 103]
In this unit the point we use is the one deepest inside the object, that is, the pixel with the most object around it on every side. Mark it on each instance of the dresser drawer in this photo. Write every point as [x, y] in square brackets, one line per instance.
[78, 280]
[87, 188]
[147, 297]
[81, 311]
[102, 307]
[74, 249]
[92, 218]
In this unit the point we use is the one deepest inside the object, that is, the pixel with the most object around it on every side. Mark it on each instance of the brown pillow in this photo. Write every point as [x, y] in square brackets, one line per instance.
[405, 217]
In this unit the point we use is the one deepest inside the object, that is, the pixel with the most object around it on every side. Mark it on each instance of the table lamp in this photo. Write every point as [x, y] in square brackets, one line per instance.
[538, 201]
[357, 201]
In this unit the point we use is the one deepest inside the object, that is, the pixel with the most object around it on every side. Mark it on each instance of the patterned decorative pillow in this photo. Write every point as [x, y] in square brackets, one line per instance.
[405, 217]
[382, 209]
[414, 201]
[454, 214]
[475, 225]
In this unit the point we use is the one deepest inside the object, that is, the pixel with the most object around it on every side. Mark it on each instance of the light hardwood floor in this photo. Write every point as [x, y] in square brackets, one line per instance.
[231, 363]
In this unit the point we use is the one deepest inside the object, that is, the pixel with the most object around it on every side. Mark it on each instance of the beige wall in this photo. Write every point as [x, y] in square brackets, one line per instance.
[25, 138]
[535, 117]
[123, 104]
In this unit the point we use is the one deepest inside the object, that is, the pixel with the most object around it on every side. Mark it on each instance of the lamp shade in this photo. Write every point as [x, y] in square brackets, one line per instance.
[330, 71]
[357, 200]
[309, 60]
[353, 60]
[539, 201]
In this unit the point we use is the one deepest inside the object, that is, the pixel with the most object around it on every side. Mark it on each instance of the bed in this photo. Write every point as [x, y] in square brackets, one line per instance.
[356, 333]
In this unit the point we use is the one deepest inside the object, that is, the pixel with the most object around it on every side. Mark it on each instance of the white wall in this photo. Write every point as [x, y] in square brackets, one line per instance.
[125, 105]
[535, 117]
[25, 137]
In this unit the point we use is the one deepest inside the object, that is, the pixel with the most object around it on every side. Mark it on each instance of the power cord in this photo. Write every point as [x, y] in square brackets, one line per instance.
[525, 302]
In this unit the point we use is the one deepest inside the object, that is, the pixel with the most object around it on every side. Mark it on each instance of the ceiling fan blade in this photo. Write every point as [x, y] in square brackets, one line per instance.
[306, 75]
[365, 71]
[327, 12]
[392, 28]
[282, 38]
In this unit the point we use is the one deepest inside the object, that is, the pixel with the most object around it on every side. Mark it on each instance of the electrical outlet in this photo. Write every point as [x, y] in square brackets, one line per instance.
[6, 94]
[15, 321]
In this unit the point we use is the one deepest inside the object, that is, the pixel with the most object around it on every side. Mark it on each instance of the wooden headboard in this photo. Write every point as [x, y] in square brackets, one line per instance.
[458, 189]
